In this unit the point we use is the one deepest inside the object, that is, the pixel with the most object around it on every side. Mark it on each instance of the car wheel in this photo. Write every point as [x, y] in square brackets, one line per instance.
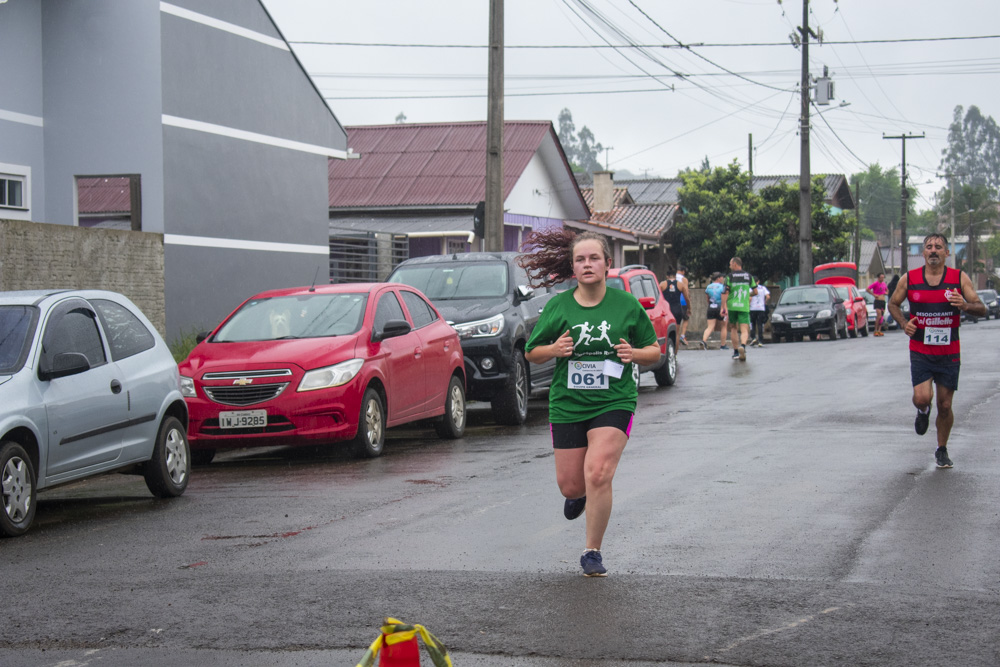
[452, 424]
[168, 471]
[510, 406]
[17, 481]
[843, 332]
[864, 329]
[833, 330]
[370, 440]
[666, 375]
[202, 457]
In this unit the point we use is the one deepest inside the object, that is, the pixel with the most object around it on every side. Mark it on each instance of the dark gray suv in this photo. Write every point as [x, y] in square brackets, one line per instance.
[486, 297]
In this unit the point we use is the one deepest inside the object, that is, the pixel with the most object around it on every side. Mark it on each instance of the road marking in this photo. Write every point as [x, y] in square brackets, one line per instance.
[771, 631]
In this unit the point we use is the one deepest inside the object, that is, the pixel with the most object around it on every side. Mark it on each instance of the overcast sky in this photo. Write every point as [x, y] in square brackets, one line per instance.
[664, 109]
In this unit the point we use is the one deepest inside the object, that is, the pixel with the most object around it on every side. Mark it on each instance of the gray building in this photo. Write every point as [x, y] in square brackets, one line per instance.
[200, 110]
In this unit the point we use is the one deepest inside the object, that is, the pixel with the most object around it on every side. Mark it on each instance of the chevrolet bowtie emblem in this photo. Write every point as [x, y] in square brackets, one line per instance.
[243, 381]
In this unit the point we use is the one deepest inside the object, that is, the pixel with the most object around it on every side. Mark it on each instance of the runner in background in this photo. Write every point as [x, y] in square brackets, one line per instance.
[879, 290]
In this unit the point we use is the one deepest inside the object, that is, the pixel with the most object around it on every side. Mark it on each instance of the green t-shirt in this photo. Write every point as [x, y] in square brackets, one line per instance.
[580, 389]
[739, 284]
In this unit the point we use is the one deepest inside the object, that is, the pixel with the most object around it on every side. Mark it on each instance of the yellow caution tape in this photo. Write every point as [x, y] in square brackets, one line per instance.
[395, 631]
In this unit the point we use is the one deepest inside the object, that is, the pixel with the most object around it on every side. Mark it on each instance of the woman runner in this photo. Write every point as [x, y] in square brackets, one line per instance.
[597, 335]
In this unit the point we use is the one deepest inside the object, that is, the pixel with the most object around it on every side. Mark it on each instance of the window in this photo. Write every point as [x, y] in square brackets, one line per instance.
[72, 328]
[15, 192]
[388, 309]
[126, 334]
[421, 313]
[109, 202]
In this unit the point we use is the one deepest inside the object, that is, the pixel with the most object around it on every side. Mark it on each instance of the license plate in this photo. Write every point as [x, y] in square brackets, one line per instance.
[800, 325]
[243, 419]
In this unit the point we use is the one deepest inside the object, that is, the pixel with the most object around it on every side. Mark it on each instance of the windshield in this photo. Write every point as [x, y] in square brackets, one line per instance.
[301, 316]
[616, 283]
[842, 292]
[455, 280]
[17, 329]
[868, 297]
[987, 294]
[794, 297]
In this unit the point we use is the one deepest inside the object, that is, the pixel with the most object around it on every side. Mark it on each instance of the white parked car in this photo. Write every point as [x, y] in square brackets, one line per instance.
[87, 385]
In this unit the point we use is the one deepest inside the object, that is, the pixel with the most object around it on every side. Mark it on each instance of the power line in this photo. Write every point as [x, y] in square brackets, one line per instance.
[616, 47]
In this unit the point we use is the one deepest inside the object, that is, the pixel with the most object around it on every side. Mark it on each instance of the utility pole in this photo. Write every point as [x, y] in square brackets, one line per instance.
[494, 133]
[953, 255]
[904, 241]
[857, 223]
[750, 156]
[607, 164]
[805, 177]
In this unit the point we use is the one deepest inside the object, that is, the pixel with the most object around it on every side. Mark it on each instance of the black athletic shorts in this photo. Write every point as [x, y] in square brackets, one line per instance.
[679, 311]
[942, 369]
[574, 435]
[879, 304]
[714, 313]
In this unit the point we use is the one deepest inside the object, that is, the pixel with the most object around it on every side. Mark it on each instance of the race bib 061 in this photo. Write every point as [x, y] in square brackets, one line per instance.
[587, 375]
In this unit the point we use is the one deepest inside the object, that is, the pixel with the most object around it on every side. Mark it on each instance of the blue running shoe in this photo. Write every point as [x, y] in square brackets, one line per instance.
[592, 565]
[574, 507]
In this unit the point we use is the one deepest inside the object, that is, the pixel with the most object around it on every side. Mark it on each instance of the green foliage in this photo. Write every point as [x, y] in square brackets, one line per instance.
[181, 347]
[582, 150]
[880, 202]
[723, 218]
[973, 153]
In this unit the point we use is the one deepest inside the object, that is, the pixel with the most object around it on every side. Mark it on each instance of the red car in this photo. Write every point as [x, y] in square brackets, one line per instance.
[842, 276]
[313, 365]
[642, 283]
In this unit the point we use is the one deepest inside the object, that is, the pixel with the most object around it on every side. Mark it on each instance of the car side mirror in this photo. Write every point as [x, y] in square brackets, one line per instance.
[525, 291]
[647, 302]
[392, 329]
[65, 364]
[202, 336]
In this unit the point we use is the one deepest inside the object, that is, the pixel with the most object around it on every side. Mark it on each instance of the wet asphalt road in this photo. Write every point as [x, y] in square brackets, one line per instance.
[777, 512]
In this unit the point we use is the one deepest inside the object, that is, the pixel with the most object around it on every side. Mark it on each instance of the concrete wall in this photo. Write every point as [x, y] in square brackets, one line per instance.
[42, 256]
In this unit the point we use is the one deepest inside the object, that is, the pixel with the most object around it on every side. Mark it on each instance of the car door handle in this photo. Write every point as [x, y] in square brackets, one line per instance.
[116, 387]
[417, 351]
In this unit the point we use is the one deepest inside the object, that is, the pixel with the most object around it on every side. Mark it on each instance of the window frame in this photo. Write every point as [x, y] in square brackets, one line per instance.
[19, 174]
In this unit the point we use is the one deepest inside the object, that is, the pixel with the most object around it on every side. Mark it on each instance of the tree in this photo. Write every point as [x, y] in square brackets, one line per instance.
[723, 218]
[973, 153]
[401, 118]
[581, 149]
[880, 205]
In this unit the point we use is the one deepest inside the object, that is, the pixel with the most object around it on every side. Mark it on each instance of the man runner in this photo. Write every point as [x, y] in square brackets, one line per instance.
[738, 289]
[937, 294]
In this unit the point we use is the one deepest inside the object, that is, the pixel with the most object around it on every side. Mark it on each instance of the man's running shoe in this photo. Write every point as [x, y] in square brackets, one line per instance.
[684, 340]
[573, 507]
[704, 345]
[736, 355]
[743, 353]
[592, 565]
[921, 422]
[723, 347]
[941, 455]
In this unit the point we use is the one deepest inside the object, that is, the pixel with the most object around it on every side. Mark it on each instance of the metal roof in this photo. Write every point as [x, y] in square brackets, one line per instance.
[432, 164]
[402, 224]
[103, 194]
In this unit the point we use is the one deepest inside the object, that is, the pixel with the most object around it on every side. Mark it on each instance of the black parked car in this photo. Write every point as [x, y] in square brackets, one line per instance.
[808, 310]
[486, 297]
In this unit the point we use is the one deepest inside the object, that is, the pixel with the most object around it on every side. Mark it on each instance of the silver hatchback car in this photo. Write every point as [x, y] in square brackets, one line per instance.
[87, 385]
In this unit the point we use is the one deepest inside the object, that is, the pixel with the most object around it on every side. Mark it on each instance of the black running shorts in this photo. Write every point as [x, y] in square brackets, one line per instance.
[574, 435]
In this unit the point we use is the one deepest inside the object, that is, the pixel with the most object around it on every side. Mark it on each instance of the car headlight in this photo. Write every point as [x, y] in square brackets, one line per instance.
[187, 387]
[480, 328]
[777, 318]
[824, 313]
[331, 376]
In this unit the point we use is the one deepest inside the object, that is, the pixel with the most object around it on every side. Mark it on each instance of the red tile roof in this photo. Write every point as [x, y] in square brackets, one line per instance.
[432, 164]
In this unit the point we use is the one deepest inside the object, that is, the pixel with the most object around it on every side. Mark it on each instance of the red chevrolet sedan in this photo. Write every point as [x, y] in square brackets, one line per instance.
[312, 365]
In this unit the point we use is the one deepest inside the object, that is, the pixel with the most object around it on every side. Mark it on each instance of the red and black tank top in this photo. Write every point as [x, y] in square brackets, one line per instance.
[937, 320]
